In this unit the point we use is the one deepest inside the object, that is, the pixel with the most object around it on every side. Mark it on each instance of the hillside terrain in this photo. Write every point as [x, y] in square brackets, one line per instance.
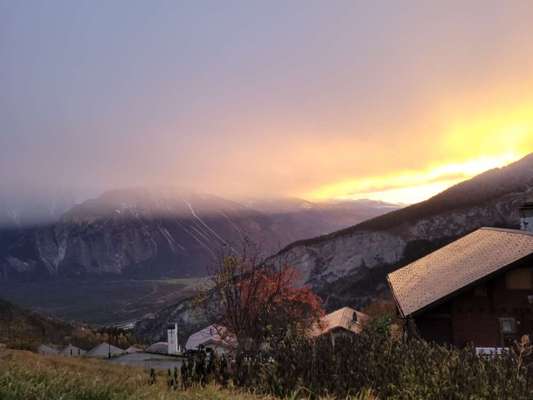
[98, 302]
[22, 328]
[348, 267]
[141, 233]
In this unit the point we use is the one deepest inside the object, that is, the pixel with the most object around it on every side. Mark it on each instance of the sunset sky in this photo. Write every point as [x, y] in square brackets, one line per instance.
[389, 100]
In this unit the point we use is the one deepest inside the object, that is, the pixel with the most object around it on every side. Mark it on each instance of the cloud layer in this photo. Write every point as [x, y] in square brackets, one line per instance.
[314, 99]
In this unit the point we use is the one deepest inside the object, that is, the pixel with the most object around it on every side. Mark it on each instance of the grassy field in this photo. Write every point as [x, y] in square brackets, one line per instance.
[28, 376]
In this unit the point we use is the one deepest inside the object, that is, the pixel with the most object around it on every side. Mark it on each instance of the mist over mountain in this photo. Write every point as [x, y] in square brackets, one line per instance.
[140, 232]
[348, 267]
[22, 206]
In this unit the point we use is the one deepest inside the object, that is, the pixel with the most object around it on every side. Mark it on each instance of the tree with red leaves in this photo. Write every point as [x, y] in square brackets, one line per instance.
[260, 303]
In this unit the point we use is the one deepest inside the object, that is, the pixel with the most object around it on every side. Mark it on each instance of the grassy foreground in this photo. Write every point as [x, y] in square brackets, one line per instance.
[28, 376]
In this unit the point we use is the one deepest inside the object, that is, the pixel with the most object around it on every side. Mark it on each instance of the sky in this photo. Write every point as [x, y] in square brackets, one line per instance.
[321, 100]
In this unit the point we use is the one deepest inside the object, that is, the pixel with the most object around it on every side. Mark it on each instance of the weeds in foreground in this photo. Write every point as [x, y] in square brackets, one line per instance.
[27, 376]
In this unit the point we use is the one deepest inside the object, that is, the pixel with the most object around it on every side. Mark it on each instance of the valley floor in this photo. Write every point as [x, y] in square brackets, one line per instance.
[109, 302]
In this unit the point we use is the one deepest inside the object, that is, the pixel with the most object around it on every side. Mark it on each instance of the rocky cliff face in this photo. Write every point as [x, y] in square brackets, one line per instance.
[147, 233]
[349, 266]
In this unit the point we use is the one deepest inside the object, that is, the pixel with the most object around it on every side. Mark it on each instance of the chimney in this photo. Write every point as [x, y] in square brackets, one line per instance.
[526, 216]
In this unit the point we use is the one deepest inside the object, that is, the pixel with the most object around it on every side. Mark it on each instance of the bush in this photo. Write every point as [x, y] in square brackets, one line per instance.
[391, 368]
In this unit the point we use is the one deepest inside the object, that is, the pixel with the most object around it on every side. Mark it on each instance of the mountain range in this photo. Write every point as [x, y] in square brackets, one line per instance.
[348, 267]
[148, 233]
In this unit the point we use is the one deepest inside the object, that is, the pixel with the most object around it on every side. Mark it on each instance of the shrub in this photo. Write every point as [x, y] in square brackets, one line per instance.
[391, 368]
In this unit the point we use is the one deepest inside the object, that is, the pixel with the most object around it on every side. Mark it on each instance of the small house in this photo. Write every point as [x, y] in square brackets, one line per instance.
[133, 349]
[159, 348]
[72, 351]
[343, 322]
[104, 350]
[477, 290]
[214, 337]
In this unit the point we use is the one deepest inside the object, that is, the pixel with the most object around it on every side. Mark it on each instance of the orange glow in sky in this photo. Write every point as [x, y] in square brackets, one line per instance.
[410, 187]
[482, 143]
[393, 101]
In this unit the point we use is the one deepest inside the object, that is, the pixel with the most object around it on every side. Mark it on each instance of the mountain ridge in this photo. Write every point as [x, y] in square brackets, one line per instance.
[348, 267]
[364, 253]
[383, 222]
[142, 232]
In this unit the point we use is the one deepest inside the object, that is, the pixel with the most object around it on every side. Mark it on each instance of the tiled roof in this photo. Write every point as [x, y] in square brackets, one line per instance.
[343, 318]
[159, 347]
[457, 265]
[103, 350]
[72, 350]
[213, 334]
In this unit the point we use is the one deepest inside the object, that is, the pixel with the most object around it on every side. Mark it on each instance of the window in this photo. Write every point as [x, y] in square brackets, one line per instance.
[507, 326]
[520, 278]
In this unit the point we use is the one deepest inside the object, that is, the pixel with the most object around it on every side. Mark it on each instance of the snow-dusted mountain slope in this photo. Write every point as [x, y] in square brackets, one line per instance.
[153, 233]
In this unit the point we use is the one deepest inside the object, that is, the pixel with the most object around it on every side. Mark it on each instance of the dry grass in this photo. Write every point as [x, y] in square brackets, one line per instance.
[28, 376]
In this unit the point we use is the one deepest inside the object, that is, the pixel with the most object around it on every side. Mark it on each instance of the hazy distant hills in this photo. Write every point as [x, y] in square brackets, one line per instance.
[22, 206]
[349, 266]
[161, 233]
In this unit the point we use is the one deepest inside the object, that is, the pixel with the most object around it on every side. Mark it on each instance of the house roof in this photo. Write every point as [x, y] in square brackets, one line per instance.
[72, 349]
[209, 335]
[159, 347]
[457, 265]
[103, 350]
[344, 318]
[133, 349]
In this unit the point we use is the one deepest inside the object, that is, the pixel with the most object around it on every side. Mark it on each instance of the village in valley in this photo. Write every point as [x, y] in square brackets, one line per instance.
[266, 200]
[475, 291]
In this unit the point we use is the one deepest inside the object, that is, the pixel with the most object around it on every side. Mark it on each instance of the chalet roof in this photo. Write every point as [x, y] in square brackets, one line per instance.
[344, 318]
[133, 349]
[159, 347]
[457, 265]
[210, 335]
[72, 350]
[103, 350]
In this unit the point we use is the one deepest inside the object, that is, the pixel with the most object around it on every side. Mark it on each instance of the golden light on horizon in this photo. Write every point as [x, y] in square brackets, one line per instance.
[474, 145]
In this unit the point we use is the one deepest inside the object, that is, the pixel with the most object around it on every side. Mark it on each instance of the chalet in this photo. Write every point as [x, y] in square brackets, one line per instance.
[343, 322]
[104, 350]
[214, 337]
[133, 349]
[477, 290]
[158, 348]
[72, 351]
